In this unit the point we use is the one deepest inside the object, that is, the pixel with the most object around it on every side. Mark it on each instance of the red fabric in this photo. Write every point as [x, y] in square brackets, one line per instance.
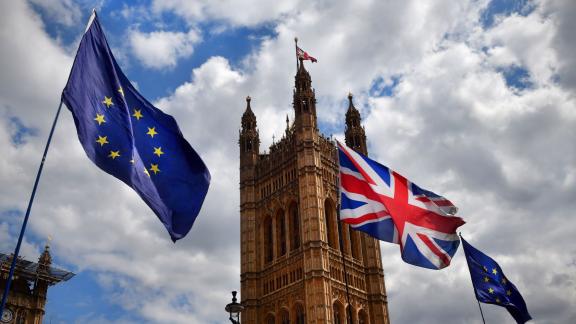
[304, 55]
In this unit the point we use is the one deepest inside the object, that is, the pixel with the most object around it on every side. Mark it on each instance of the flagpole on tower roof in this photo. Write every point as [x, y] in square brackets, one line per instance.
[296, 51]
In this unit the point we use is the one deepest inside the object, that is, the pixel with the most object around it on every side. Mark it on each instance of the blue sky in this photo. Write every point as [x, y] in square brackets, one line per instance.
[471, 99]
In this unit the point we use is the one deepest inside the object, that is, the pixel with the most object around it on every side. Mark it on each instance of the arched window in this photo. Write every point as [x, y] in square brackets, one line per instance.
[284, 317]
[362, 317]
[331, 226]
[294, 226]
[300, 315]
[270, 319]
[281, 232]
[268, 240]
[338, 313]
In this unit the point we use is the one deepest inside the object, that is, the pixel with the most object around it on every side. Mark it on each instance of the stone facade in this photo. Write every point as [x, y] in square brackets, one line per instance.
[292, 268]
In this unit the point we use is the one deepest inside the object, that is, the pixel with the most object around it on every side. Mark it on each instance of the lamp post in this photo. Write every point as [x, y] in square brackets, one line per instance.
[234, 309]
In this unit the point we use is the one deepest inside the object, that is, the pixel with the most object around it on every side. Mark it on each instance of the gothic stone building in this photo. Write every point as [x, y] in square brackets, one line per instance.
[291, 255]
[27, 296]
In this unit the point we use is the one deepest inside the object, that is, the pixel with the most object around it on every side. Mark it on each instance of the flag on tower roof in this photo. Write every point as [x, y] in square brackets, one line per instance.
[301, 54]
[129, 138]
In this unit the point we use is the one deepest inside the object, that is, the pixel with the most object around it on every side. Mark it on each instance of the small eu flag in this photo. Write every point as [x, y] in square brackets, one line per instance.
[491, 285]
[127, 137]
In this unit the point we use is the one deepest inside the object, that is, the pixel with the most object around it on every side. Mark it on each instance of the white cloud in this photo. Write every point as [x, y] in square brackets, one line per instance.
[64, 12]
[235, 12]
[163, 49]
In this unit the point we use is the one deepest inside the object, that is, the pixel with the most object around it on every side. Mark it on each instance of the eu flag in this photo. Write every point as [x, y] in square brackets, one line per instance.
[491, 285]
[127, 137]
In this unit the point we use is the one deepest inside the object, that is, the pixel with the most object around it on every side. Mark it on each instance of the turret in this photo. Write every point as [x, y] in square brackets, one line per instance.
[44, 263]
[249, 137]
[304, 102]
[355, 133]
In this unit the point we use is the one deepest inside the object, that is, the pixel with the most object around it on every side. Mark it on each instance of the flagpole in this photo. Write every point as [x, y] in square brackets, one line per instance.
[479, 307]
[23, 229]
[341, 240]
[296, 51]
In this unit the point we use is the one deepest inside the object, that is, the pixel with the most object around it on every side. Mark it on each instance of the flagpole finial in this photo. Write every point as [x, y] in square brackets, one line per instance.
[296, 39]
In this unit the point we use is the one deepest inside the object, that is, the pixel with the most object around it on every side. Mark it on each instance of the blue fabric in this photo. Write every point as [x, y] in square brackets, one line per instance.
[127, 137]
[491, 285]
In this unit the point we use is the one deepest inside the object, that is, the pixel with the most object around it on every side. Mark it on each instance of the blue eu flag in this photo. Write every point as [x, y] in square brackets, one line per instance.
[127, 137]
[491, 285]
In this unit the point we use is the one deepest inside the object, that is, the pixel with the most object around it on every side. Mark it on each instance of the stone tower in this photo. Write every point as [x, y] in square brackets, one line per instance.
[291, 257]
[27, 296]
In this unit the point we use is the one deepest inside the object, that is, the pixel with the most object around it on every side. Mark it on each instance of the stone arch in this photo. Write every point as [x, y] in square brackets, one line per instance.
[338, 312]
[299, 314]
[331, 224]
[270, 318]
[295, 236]
[284, 316]
[280, 232]
[363, 317]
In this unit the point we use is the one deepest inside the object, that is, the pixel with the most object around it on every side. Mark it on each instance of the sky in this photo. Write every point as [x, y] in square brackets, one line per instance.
[472, 99]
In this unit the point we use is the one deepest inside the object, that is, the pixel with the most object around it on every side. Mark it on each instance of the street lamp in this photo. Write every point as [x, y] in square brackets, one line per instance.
[234, 309]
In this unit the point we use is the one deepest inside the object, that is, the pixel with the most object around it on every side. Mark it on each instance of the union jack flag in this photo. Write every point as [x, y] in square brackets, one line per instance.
[384, 204]
[300, 53]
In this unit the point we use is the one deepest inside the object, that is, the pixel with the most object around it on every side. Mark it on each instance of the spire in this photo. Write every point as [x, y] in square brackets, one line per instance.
[45, 259]
[355, 134]
[352, 115]
[303, 80]
[249, 139]
[304, 101]
[248, 118]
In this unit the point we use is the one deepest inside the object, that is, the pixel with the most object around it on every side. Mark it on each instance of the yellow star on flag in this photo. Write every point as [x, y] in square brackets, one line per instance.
[485, 269]
[102, 140]
[158, 151]
[486, 279]
[154, 168]
[100, 119]
[146, 171]
[494, 271]
[498, 300]
[121, 91]
[114, 154]
[108, 102]
[137, 114]
[490, 290]
[504, 281]
[152, 131]
[508, 292]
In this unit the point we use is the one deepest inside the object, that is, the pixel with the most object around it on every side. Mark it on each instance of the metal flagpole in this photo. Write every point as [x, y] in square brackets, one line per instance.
[296, 51]
[17, 250]
[341, 240]
[23, 229]
[479, 307]
[483, 321]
